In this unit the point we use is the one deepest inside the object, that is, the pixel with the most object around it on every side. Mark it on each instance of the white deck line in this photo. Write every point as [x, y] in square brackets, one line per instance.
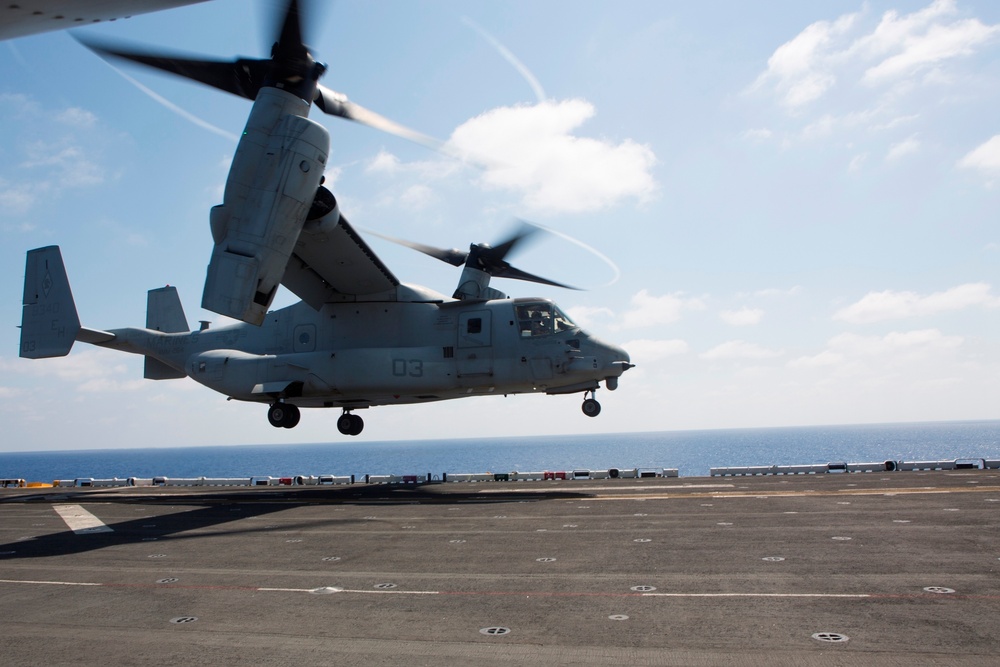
[80, 521]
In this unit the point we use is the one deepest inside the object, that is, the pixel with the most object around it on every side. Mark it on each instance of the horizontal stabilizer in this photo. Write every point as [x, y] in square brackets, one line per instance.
[49, 322]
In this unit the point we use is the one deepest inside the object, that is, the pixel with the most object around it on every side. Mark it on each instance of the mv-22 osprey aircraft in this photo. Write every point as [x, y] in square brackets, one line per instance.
[359, 337]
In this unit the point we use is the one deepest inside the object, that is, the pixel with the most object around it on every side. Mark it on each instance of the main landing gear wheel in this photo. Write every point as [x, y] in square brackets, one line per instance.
[591, 407]
[283, 415]
[349, 424]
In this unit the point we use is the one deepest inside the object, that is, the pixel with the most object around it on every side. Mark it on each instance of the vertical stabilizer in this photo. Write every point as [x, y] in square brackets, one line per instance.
[165, 313]
[49, 322]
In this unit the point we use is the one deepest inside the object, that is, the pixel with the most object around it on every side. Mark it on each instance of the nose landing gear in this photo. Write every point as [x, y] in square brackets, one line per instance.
[349, 424]
[283, 415]
[591, 407]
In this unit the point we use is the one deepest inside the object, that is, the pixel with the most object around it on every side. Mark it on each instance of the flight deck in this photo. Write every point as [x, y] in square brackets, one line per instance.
[877, 568]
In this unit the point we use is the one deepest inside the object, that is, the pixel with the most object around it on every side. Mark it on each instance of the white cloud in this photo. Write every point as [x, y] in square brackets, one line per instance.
[66, 162]
[891, 305]
[417, 197]
[866, 78]
[897, 151]
[648, 310]
[771, 292]
[900, 47]
[82, 367]
[647, 351]
[824, 358]
[799, 69]
[897, 347]
[742, 317]
[739, 349]
[532, 150]
[759, 134]
[913, 43]
[17, 198]
[383, 163]
[873, 360]
[587, 316]
[985, 157]
[77, 117]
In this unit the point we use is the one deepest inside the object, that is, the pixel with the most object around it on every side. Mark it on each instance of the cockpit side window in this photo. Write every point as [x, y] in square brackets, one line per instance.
[561, 321]
[541, 319]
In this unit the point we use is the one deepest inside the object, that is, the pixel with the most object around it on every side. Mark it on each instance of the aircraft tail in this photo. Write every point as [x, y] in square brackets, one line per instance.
[165, 313]
[49, 322]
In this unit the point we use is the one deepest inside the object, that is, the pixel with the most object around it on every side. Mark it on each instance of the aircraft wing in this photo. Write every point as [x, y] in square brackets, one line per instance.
[28, 17]
[333, 263]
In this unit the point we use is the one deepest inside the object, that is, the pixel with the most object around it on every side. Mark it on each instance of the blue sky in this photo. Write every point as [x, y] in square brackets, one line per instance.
[803, 200]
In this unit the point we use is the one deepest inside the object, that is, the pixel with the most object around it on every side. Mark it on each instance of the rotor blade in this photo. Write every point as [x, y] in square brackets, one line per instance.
[337, 104]
[454, 256]
[517, 274]
[242, 77]
[524, 232]
[290, 37]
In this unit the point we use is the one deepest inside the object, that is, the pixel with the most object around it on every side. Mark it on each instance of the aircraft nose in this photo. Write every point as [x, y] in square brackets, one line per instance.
[617, 360]
[621, 358]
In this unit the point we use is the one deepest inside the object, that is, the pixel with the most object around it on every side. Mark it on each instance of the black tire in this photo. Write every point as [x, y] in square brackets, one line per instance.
[292, 416]
[345, 423]
[277, 414]
[591, 407]
[357, 425]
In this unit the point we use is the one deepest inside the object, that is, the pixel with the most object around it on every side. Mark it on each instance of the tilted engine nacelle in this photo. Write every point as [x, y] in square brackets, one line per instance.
[271, 187]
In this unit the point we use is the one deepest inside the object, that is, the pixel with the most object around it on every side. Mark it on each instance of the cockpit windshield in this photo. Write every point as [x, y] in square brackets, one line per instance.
[541, 319]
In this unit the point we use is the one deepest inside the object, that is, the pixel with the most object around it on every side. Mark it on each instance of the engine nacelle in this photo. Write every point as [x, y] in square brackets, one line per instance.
[271, 187]
[324, 214]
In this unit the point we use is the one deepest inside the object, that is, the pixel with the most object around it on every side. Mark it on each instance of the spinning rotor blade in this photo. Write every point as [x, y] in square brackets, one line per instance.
[291, 67]
[243, 77]
[455, 257]
[486, 258]
[336, 104]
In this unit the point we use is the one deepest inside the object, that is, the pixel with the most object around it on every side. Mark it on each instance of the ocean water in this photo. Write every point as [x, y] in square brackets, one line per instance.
[692, 452]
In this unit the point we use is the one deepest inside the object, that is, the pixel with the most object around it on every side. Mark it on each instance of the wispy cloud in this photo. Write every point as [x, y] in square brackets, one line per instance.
[735, 350]
[66, 161]
[743, 317]
[861, 75]
[800, 70]
[900, 150]
[901, 47]
[853, 355]
[648, 351]
[893, 305]
[648, 310]
[985, 157]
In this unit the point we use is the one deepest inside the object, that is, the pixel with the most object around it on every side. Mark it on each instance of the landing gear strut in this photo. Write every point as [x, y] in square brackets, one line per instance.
[283, 415]
[591, 407]
[349, 424]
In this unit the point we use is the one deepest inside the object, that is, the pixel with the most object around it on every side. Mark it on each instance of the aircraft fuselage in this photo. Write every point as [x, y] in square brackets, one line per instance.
[365, 354]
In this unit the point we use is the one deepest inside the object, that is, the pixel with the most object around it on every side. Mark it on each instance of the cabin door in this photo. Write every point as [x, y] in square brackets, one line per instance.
[475, 344]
